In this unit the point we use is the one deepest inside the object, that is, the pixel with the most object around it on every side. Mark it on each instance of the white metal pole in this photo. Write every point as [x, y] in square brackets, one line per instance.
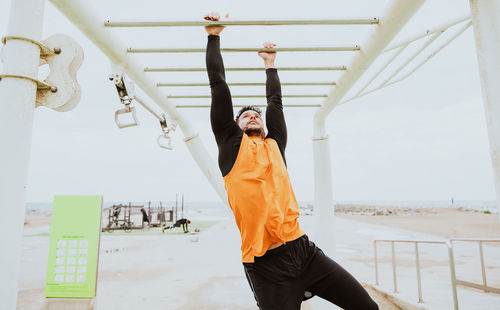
[394, 18]
[323, 216]
[487, 34]
[89, 22]
[17, 99]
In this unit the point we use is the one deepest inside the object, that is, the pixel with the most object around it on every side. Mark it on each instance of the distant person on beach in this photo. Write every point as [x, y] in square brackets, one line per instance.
[282, 266]
[182, 222]
[116, 212]
[145, 218]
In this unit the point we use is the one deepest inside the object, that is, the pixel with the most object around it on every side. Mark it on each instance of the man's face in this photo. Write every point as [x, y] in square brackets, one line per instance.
[251, 123]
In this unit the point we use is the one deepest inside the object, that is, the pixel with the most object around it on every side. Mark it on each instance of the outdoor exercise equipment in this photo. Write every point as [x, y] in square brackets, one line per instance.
[126, 92]
[19, 88]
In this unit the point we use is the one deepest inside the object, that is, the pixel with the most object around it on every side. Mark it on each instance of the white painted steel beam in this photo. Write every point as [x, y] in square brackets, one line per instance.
[17, 98]
[246, 49]
[89, 22]
[197, 23]
[395, 17]
[486, 27]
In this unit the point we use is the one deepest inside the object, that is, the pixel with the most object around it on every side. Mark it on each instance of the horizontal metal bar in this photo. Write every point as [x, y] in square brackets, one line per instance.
[148, 69]
[255, 105]
[485, 288]
[244, 84]
[320, 22]
[412, 241]
[231, 50]
[472, 239]
[247, 96]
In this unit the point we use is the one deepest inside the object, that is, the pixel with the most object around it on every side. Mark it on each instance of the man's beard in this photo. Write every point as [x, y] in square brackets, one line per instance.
[254, 132]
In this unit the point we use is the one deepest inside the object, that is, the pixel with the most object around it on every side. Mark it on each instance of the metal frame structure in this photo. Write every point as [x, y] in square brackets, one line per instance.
[21, 58]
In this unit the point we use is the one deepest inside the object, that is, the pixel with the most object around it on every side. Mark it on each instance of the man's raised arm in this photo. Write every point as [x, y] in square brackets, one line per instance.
[221, 111]
[275, 119]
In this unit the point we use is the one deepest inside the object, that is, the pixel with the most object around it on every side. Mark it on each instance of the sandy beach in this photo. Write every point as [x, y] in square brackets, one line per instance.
[445, 223]
[157, 271]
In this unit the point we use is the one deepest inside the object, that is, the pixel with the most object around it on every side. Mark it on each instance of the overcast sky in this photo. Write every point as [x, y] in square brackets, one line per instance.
[424, 138]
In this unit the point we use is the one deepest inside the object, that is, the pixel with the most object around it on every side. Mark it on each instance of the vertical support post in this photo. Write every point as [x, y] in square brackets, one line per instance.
[419, 280]
[453, 275]
[376, 261]
[394, 267]
[17, 99]
[487, 36]
[393, 19]
[483, 269]
[324, 211]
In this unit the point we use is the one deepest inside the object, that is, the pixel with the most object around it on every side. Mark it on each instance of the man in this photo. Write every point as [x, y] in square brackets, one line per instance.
[182, 222]
[145, 219]
[282, 266]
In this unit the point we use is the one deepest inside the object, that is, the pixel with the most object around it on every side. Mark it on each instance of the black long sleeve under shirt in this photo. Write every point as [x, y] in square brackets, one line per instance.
[227, 133]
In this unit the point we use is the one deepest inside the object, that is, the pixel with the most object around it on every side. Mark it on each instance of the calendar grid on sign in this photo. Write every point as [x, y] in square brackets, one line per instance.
[71, 260]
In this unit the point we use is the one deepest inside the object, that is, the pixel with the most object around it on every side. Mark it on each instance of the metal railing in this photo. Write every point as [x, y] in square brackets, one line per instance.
[484, 286]
[454, 281]
[417, 258]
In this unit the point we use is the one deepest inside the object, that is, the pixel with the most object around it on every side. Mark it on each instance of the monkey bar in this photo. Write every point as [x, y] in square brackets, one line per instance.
[246, 49]
[256, 105]
[296, 22]
[245, 84]
[342, 68]
[248, 96]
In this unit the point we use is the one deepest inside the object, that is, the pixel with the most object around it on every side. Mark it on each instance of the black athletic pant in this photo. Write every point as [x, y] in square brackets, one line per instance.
[298, 270]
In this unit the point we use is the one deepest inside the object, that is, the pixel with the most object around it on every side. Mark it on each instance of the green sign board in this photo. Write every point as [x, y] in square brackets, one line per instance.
[74, 247]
